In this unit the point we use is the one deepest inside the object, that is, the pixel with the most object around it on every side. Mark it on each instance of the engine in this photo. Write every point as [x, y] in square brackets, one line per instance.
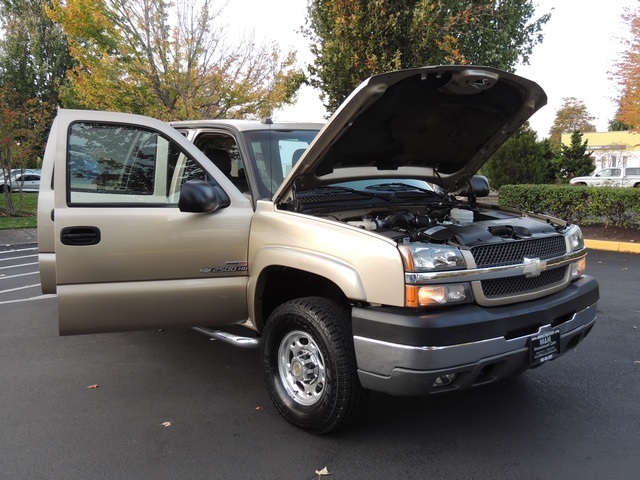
[462, 227]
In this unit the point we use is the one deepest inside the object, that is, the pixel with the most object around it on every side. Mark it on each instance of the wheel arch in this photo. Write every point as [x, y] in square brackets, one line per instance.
[295, 274]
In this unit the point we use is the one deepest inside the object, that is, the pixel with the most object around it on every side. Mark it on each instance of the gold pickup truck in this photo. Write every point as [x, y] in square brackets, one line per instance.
[357, 254]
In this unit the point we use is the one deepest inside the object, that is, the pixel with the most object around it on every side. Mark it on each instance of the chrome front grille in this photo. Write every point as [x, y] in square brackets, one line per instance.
[512, 252]
[503, 287]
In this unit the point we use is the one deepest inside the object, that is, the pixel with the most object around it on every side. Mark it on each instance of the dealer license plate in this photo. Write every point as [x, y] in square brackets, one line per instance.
[544, 347]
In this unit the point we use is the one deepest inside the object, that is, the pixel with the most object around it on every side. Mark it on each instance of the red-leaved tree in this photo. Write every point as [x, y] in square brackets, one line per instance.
[21, 133]
[628, 75]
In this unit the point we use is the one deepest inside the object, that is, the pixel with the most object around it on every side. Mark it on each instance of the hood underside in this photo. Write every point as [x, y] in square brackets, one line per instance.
[438, 124]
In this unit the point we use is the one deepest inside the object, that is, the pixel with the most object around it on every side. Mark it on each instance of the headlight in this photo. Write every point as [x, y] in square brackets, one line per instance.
[419, 257]
[574, 239]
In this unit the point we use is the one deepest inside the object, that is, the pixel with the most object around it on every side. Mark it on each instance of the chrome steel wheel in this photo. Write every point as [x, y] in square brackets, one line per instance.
[301, 368]
[310, 365]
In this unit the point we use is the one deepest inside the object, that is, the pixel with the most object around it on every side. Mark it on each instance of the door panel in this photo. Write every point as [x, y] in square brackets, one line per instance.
[122, 306]
[126, 257]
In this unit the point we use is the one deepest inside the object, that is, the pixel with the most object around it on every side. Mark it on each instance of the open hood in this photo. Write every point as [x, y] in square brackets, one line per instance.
[439, 124]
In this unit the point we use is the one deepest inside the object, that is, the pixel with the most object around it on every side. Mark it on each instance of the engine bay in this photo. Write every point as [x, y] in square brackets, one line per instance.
[414, 211]
[459, 224]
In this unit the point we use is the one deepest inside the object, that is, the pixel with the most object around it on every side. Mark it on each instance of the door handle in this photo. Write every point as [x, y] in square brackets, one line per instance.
[80, 236]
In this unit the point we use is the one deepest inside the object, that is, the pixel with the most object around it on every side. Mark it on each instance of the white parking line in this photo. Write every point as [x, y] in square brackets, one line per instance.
[17, 266]
[39, 297]
[2, 252]
[17, 258]
[3, 277]
[20, 288]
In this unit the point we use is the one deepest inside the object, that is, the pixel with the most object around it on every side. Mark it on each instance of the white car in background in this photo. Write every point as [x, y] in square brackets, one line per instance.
[611, 177]
[28, 180]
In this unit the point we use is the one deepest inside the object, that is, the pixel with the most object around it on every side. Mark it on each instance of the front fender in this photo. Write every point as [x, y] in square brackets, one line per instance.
[334, 269]
[365, 266]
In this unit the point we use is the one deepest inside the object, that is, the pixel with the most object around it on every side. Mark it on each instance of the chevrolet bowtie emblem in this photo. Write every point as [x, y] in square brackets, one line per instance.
[533, 267]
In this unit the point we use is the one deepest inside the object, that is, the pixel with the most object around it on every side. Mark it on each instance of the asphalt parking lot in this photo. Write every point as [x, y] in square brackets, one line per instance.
[174, 404]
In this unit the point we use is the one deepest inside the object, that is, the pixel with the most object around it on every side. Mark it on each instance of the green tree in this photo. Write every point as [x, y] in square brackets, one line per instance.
[34, 55]
[616, 125]
[549, 152]
[573, 160]
[34, 59]
[170, 61]
[572, 116]
[354, 39]
[520, 160]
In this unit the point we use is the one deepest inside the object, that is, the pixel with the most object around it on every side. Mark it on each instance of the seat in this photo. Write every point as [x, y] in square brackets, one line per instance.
[220, 159]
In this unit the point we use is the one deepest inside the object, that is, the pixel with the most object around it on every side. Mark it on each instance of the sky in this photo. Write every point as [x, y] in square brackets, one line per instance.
[582, 44]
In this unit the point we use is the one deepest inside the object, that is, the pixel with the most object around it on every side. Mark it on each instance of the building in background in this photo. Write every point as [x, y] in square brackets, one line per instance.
[611, 149]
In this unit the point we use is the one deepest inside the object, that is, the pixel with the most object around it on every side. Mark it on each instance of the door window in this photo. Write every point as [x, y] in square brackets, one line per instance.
[610, 172]
[122, 164]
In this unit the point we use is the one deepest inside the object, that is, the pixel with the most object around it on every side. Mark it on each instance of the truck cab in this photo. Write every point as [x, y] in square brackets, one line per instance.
[116, 223]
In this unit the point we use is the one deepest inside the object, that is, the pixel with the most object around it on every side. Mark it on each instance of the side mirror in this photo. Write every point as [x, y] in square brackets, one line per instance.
[479, 186]
[198, 196]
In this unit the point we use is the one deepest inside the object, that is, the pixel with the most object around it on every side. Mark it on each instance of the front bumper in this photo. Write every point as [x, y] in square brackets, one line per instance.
[403, 353]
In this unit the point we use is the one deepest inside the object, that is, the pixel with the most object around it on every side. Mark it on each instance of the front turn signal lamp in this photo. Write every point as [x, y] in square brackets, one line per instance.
[578, 268]
[437, 295]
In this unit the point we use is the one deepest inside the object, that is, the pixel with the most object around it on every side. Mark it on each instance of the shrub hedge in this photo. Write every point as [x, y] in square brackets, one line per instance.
[585, 205]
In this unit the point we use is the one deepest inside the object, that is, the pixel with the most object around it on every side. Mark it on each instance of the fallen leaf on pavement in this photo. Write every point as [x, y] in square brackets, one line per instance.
[91, 387]
[324, 471]
[166, 424]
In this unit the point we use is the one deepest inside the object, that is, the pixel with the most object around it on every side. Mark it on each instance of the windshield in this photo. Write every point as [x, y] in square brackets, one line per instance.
[275, 152]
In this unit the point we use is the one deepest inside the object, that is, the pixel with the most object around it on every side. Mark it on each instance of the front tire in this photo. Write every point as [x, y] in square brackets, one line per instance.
[309, 365]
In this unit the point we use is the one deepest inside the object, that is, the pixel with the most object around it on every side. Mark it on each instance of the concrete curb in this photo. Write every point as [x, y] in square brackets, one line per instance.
[622, 247]
[18, 236]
